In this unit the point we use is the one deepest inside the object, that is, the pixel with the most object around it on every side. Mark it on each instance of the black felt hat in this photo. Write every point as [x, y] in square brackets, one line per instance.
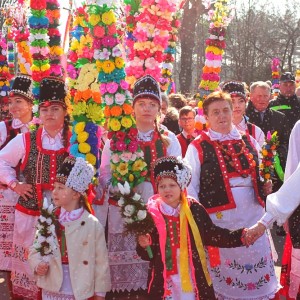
[234, 88]
[52, 90]
[147, 86]
[173, 167]
[22, 86]
[286, 77]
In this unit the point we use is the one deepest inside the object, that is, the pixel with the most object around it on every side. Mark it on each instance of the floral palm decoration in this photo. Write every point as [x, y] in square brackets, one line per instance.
[38, 24]
[20, 34]
[219, 15]
[7, 29]
[151, 34]
[85, 94]
[4, 74]
[275, 76]
[44, 242]
[297, 78]
[56, 51]
[270, 160]
[167, 83]
[126, 160]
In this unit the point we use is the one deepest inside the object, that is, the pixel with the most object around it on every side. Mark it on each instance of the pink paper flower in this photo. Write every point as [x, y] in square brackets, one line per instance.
[120, 145]
[119, 98]
[112, 87]
[124, 85]
[108, 99]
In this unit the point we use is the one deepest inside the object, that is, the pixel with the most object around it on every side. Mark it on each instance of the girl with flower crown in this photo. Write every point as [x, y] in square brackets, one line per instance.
[20, 102]
[75, 264]
[41, 153]
[128, 271]
[178, 269]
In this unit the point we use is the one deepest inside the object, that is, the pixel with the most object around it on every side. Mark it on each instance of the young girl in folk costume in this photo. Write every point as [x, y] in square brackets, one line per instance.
[79, 267]
[20, 104]
[41, 153]
[178, 269]
[128, 271]
[237, 91]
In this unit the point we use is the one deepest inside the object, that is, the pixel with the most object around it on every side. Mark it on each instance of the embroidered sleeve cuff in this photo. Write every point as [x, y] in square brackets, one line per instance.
[267, 220]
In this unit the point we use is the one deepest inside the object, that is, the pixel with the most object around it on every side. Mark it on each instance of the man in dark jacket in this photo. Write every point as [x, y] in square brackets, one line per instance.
[287, 102]
[260, 114]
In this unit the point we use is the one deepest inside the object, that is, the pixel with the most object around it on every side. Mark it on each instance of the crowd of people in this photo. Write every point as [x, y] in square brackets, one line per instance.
[211, 209]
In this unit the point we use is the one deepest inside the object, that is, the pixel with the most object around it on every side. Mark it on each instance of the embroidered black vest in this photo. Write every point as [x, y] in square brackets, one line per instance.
[39, 169]
[153, 150]
[215, 192]
[11, 132]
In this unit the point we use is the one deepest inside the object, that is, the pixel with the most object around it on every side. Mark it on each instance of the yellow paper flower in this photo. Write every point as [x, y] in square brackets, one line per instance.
[108, 66]
[126, 122]
[79, 127]
[138, 165]
[114, 124]
[79, 108]
[56, 50]
[82, 136]
[131, 177]
[94, 19]
[94, 112]
[108, 17]
[119, 62]
[122, 168]
[84, 148]
[74, 45]
[91, 158]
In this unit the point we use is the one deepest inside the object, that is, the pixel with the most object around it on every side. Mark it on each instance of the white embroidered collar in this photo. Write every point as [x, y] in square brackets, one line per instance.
[169, 210]
[52, 140]
[145, 136]
[16, 124]
[232, 135]
[69, 216]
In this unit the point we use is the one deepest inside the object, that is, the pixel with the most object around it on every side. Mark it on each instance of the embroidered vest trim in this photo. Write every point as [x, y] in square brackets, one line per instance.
[11, 133]
[39, 169]
[215, 192]
[152, 151]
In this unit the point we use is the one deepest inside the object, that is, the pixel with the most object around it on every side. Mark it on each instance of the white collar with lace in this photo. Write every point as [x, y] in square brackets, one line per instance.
[69, 216]
[169, 210]
[217, 136]
[16, 124]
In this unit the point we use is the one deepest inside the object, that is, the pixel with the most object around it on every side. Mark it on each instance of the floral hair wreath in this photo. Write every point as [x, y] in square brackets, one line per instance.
[175, 168]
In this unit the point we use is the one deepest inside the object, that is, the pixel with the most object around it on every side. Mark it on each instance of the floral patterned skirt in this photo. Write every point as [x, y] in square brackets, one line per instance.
[8, 200]
[244, 273]
[21, 274]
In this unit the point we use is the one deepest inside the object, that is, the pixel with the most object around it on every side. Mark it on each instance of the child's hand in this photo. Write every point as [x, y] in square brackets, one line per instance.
[42, 269]
[144, 240]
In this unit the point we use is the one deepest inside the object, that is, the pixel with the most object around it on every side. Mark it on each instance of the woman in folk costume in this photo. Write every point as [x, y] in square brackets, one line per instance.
[284, 206]
[78, 267]
[225, 179]
[41, 153]
[178, 269]
[128, 271]
[237, 91]
[20, 104]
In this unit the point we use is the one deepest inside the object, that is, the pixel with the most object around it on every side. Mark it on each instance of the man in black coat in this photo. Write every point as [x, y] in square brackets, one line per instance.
[260, 114]
[287, 102]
